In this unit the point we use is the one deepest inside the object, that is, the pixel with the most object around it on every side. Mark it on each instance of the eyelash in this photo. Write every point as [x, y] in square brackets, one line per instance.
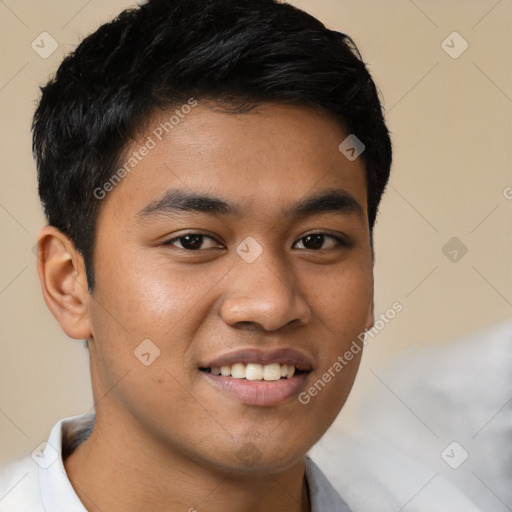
[339, 241]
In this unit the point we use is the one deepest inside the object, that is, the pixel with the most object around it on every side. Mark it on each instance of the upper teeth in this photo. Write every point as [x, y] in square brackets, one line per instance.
[253, 371]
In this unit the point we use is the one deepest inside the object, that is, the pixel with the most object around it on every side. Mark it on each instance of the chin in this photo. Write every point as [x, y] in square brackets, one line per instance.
[263, 456]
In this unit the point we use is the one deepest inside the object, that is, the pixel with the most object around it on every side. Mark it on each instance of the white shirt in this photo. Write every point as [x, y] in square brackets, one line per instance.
[40, 483]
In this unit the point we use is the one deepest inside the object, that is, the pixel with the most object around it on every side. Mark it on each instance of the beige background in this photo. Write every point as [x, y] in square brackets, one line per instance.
[451, 124]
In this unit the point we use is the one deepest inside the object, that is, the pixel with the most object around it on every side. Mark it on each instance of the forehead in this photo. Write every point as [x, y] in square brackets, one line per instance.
[264, 159]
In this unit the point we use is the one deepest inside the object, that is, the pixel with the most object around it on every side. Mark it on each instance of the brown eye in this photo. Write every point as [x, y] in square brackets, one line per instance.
[193, 242]
[313, 241]
[318, 241]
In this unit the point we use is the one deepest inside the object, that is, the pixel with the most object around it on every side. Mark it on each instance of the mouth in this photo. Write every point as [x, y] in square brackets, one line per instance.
[255, 371]
[255, 377]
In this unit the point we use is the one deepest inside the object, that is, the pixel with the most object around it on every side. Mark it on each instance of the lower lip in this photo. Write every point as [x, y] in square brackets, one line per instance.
[259, 392]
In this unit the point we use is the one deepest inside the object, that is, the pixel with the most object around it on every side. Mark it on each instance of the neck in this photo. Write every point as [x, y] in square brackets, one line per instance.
[122, 470]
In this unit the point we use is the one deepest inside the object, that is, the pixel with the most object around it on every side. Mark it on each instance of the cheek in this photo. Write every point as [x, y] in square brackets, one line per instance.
[343, 300]
[139, 300]
[148, 296]
[342, 310]
[137, 303]
[338, 383]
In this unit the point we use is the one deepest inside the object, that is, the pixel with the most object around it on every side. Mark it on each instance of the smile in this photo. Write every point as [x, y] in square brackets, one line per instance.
[258, 377]
[255, 371]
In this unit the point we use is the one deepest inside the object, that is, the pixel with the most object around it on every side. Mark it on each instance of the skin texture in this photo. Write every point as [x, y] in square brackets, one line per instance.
[165, 437]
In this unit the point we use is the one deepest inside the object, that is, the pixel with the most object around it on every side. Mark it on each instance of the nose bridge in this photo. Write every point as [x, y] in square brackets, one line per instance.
[264, 292]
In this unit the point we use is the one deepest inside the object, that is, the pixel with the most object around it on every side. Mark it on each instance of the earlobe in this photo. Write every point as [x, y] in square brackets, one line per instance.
[62, 274]
[371, 318]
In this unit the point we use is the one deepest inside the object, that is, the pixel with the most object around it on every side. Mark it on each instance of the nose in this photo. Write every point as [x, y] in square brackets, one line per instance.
[264, 295]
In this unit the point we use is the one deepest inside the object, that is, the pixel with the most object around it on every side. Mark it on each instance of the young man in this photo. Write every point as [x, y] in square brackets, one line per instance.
[211, 174]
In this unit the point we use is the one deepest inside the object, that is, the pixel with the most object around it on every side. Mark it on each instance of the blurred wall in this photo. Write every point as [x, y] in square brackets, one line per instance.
[443, 238]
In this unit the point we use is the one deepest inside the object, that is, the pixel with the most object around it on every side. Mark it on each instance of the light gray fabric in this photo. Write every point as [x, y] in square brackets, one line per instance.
[322, 495]
[373, 476]
[433, 432]
[455, 401]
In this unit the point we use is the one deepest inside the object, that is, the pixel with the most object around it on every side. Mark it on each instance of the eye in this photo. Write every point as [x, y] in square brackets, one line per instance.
[318, 241]
[193, 242]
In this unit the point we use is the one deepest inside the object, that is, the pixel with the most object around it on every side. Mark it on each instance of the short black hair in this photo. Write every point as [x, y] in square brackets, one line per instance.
[237, 53]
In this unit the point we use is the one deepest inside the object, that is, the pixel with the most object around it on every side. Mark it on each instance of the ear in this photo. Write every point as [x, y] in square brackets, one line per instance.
[371, 317]
[61, 271]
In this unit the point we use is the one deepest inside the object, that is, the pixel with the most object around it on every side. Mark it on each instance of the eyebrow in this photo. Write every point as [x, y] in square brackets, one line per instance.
[174, 201]
[333, 200]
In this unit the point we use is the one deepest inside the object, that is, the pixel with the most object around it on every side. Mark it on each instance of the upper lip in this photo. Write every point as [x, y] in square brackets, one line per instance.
[289, 356]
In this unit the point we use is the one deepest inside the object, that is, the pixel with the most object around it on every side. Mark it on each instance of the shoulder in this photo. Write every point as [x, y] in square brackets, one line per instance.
[39, 483]
[323, 496]
[373, 476]
[19, 487]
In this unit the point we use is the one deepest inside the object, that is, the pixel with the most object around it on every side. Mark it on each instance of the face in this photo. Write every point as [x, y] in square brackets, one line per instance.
[238, 248]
